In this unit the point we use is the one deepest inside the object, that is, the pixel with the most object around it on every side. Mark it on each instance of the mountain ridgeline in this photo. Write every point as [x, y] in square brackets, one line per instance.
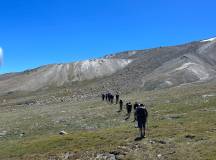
[148, 69]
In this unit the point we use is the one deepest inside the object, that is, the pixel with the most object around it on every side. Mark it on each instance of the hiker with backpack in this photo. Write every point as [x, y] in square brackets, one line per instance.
[129, 109]
[111, 98]
[141, 116]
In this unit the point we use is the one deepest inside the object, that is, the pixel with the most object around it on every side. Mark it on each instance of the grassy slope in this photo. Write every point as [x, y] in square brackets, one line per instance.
[182, 125]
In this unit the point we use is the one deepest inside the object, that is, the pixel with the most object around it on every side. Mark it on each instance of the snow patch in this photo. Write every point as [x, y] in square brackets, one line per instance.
[204, 48]
[209, 40]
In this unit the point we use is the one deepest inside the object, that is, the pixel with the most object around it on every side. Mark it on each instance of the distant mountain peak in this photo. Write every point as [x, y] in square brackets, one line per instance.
[209, 40]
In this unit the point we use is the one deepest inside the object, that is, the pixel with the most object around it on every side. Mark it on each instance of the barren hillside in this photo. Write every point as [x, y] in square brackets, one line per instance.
[149, 69]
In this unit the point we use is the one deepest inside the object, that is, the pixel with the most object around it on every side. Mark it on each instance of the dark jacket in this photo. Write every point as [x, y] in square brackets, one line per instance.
[142, 114]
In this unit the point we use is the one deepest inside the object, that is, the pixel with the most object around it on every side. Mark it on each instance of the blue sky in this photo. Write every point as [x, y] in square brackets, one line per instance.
[38, 32]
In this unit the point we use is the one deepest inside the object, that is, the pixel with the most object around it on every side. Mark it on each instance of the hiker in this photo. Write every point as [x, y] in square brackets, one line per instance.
[103, 97]
[141, 116]
[135, 107]
[111, 98]
[120, 105]
[106, 97]
[128, 108]
[117, 98]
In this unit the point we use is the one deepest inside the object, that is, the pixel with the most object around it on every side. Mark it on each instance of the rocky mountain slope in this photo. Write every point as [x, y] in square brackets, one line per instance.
[59, 74]
[196, 65]
[149, 69]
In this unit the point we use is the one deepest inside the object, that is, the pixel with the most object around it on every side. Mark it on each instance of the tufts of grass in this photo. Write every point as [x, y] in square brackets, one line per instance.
[179, 117]
[104, 140]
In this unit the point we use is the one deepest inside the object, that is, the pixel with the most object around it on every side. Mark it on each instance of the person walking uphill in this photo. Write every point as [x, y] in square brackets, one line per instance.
[106, 96]
[135, 107]
[128, 108]
[142, 115]
[103, 96]
[117, 98]
[120, 105]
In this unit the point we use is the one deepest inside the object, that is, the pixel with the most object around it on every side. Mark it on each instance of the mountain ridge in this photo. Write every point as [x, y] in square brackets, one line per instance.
[153, 68]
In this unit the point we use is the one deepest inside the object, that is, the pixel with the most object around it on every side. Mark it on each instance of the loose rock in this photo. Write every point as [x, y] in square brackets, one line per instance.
[106, 156]
[63, 133]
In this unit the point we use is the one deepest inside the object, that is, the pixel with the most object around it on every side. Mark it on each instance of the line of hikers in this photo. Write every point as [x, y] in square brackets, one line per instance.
[110, 97]
[140, 111]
